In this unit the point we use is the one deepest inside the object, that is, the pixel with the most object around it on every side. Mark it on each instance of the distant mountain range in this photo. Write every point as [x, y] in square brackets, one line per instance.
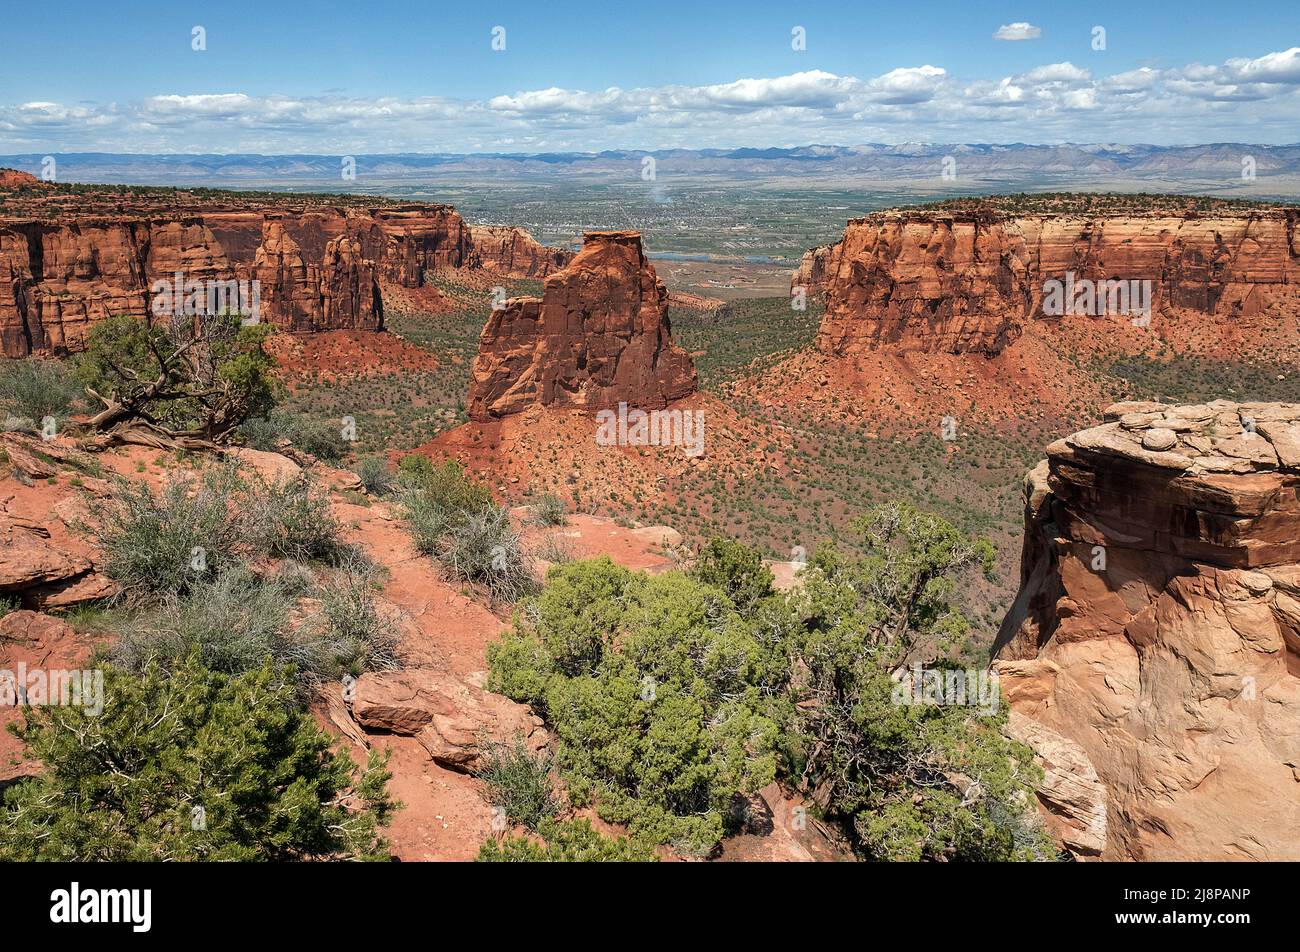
[812, 164]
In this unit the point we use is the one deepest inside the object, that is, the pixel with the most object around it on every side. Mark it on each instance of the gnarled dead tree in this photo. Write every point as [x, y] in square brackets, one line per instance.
[185, 384]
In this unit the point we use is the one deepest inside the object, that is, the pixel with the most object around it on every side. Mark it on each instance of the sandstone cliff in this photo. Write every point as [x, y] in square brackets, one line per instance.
[598, 336]
[1158, 624]
[512, 251]
[320, 267]
[969, 280]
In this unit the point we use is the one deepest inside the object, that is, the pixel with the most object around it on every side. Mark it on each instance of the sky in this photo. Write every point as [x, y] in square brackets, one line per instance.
[552, 76]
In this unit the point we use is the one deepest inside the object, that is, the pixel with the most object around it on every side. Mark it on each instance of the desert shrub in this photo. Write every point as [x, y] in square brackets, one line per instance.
[197, 527]
[436, 499]
[415, 467]
[519, 783]
[549, 510]
[290, 518]
[126, 784]
[232, 623]
[376, 478]
[652, 687]
[672, 695]
[736, 569]
[486, 549]
[261, 433]
[556, 550]
[566, 841]
[907, 781]
[158, 545]
[321, 438]
[445, 486]
[236, 621]
[453, 518]
[358, 637]
[32, 389]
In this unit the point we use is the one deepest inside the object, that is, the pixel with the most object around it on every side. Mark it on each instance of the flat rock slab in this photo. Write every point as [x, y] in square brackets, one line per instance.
[457, 722]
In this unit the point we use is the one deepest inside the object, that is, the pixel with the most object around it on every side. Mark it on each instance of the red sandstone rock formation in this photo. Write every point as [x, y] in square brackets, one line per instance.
[598, 336]
[319, 268]
[12, 178]
[1158, 624]
[44, 561]
[962, 281]
[512, 251]
[35, 642]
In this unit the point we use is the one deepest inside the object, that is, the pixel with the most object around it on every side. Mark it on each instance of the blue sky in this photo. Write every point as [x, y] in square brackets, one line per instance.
[360, 77]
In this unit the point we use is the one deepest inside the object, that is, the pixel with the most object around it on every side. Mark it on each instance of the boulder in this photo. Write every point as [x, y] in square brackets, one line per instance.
[454, 720]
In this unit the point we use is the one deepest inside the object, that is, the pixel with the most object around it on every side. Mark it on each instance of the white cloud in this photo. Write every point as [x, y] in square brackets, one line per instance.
[1058, 73]
[814, 89]
[906, 85]
[555, 100]
[1018, 31]
[1283, 67]
[1134, 81]
[1243, 98]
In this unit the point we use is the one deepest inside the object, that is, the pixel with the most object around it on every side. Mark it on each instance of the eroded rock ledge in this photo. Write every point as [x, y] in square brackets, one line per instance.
[1157, 624]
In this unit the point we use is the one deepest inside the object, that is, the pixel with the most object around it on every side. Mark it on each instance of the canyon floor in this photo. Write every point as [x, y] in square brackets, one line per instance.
[797, 443]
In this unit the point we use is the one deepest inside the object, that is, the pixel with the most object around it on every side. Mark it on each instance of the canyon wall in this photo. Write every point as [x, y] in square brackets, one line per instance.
[598, 336]
[505, 250]
[1157, 624]
[319, 268]
[970, 281]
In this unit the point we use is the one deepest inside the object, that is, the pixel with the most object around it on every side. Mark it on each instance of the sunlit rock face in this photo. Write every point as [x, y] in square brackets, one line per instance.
[969, 281]
[598, 336]
[1158, 624]
[318, 268]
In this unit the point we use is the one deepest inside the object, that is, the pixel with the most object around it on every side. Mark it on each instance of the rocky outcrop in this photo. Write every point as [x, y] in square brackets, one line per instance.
[1072, 797]
[598, 336]
[811, 273]
[505, 250]
[1157, 624]
[318, 267]
[456, 722]
[12, 178]
[969, 280]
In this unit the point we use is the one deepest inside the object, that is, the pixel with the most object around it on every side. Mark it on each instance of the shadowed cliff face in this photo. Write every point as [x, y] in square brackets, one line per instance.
[598, 336]
[960, 282]
[318, 269]
[1158, 624]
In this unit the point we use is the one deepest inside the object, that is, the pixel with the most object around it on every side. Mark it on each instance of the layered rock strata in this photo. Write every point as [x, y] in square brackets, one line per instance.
[1157, 624]
[317, 268]
[969, 281]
